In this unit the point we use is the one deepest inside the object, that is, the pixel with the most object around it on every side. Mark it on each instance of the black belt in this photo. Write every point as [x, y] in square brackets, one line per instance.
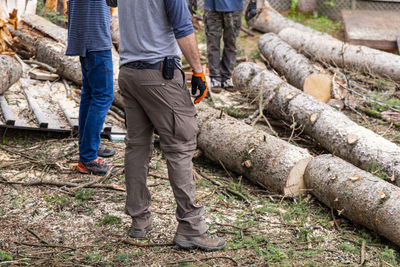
[141, 65]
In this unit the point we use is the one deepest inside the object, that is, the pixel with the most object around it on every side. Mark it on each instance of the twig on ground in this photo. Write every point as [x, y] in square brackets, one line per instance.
[67, 184]
[67, 88]
[204, 259]
[137, 244]
[335, 222]
[44, 245]
[37, 236]
[41, 64]
[362, 261]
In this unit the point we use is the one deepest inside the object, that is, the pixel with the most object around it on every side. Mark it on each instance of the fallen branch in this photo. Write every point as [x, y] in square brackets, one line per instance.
[137, 244]
[67, 184]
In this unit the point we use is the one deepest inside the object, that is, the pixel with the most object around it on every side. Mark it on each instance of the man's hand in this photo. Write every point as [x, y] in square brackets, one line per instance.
[199, 84]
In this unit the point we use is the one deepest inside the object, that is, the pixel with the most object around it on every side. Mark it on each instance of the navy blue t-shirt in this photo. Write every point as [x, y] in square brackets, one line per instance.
[88, 27]
[224, 5]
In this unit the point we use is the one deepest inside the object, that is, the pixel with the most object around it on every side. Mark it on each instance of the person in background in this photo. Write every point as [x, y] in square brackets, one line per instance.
[222, 19]
[89, 38]
[154, 34]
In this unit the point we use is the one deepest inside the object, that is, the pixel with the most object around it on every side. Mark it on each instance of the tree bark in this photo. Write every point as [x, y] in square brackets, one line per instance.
[253, 153]
[269, 20]
[297, 69]
[53, 54]
[10, 72]
[336, 52]
[306, 6]
[363, 198]
[331, 128]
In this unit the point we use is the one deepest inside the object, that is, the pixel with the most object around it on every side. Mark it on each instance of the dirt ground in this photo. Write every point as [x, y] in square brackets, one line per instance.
[52, 216]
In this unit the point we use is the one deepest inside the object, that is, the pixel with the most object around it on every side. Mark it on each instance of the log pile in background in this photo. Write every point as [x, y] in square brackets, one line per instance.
[10, 72]
[52, 51]
[353, 57]
[258, 156]
[297, 69]
[331, 128]
[363, 198]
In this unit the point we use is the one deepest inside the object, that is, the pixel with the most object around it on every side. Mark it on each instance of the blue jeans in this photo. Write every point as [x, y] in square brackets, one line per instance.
[96, 98]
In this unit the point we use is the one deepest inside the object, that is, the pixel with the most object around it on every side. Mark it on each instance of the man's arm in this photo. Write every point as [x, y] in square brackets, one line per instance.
[188, 45]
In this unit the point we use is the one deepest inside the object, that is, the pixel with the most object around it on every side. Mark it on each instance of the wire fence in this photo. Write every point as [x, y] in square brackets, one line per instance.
[331, 11]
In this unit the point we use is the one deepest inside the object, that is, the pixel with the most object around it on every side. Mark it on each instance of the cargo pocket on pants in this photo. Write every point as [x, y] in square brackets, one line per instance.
[185, 123]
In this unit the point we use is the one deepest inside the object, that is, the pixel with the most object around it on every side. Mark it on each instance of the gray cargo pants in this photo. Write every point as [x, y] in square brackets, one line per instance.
[218, 24]
[151, 102]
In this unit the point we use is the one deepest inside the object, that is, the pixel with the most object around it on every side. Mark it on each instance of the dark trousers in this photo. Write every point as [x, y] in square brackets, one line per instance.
[151, 102]
[225, 25]
[96, 98]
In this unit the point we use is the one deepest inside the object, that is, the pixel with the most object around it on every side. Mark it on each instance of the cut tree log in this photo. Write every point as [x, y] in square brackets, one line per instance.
[331, 128]
[306, 6]
[297, 69]
[338, 53]
[363, 198]
[53, 52]
[269, 20]
[253, 153]
[10, 72]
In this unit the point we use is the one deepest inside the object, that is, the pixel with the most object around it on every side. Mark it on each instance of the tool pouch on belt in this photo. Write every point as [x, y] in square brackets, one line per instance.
[168, 68]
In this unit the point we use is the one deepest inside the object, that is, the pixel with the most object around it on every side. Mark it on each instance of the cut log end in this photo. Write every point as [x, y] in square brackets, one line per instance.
[318, 86]
[295, 183]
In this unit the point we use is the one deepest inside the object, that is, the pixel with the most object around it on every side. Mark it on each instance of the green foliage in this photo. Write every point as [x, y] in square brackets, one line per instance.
[110, 220]
[235, 112]
[53, 16]
[390, 256]
[376, 170]
[59, 203]
[5, 256]
[84, 194]
[122, 257]
[350, 248]
[293, 7]
[255, 55]
[93, 257]
[330, 3]
[319, 23]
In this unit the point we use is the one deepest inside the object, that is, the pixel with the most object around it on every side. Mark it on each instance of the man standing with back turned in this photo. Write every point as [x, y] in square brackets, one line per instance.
[153, 34]
[89, 38]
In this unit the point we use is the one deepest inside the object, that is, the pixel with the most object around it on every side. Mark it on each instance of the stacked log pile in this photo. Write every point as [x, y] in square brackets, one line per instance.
[331, 128]
[290, 170]
[323, 47]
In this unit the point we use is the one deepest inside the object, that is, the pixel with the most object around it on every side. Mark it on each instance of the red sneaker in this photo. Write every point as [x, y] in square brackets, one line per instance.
[97, 167]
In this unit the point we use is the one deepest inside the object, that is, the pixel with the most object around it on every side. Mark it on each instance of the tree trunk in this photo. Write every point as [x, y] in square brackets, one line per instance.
[297, 69]
[306, 6]
[269, 20]
[10, 72]
[331, 128]
[53, 53]
[333, 51]
[256, 155]
[358, 195]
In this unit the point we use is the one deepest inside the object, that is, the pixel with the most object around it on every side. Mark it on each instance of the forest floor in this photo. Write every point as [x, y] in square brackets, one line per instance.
[67, 219]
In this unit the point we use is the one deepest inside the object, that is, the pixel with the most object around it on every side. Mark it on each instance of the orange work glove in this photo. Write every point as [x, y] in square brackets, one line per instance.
[199, 84]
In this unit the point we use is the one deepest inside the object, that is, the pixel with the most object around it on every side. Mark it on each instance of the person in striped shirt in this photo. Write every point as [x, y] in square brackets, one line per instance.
[89, 38]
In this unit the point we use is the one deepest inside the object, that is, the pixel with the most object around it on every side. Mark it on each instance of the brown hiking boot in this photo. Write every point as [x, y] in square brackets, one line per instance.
[139, 233]
[206, 242]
